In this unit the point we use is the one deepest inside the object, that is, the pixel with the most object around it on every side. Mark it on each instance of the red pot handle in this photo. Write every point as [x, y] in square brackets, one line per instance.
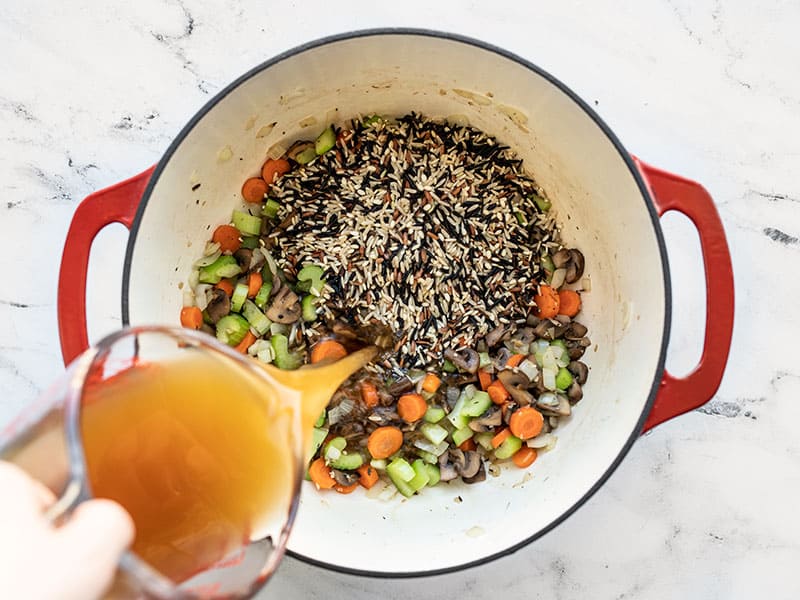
[115, 204]
[679, 395]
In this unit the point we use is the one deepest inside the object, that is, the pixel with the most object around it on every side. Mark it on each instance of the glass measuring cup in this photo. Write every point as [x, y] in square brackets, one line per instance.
[49, 441]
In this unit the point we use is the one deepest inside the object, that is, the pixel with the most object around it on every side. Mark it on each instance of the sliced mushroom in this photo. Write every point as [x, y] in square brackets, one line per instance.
[532, 320]
[206, 328]
[574, 393]
[479, 476]
[491, 418]
[544, 330]
[285, 307]
[521, 341]
[458, 459]
[466, 359]
[447, 470]
[579, 370]
[501, 358]
[497, 335]
[538, 384]
[575, 331]
[563, 319]
[219, 305]
[472, 464]
[511, 406]
[561, 258]
[346, 478]
[402, 385]
[351, 429]
[250, 260]
[575, 350]
[585, 342]
[576, 266]
[516, 382]
[383, 415]
[553, 405]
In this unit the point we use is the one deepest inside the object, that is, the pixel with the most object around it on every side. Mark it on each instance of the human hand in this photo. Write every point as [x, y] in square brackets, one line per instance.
[39, 561]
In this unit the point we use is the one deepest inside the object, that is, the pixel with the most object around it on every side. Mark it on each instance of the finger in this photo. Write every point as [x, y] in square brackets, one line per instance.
[97, 534]
[23, 497]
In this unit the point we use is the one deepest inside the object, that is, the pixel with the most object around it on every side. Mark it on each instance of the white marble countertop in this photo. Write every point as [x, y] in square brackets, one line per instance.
[706, 506]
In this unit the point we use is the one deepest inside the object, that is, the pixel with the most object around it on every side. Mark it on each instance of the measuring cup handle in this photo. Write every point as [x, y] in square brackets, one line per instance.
[678, 395]
[115, 204]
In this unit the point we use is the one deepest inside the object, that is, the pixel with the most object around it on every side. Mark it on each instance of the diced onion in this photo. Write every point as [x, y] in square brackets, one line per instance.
[548, 360]
[194, 278]
[549, 378]
[211, 248]
[543, 440]
[337, 413]
[529, 369]
[201, 295]
[188, 298]
[586, 284]
[207, 260]
[427, 446]
[332, 453]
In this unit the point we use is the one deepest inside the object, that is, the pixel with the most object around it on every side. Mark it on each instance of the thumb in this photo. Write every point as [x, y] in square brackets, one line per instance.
[92, 541]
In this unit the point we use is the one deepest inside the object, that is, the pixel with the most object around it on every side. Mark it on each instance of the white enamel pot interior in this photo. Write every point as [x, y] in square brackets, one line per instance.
[599, 200]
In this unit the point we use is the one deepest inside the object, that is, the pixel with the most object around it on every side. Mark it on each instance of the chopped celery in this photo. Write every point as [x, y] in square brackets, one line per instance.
[508, 448]
[238, 297]
[231, 329]
[347, 462]
[456, 417]
[325, 141]
[548, 266]
[283, 358]
[318, 436]
[262, 297]
[421, 477]
[246, 223]
[434, 476]
[462, 435]
[434, 414]
[521, 219]
[435, 434]
[477, 405]
[310, 279]
[543, 203]
[372, 120]
[484, 440]
[448, 366]
[255, 317]
[563, 379]
[400, 468]
[309, 308]
[271, 208]
[378, 463]
[306, 156]
[321, 419]
[485, 359]
[428, 457]
[333, 449]
[224, 266]
[250, 242]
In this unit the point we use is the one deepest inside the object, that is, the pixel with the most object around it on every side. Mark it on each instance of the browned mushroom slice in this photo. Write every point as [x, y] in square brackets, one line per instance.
[249, 260]
[219, 305]
[466, 359]
[447, 470]
[497, 335]
[345, 478]
[480, 475]
[516, 382]
[472, 464]
[577, 263]
[285, 307]
[491, 418]
[553, 405]
[574, 392]
[561, 258]
[520, 342]
[575, 331]
[579, 370]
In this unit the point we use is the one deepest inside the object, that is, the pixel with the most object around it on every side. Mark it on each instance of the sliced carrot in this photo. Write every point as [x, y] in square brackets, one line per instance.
[514, 360]
[526, 422]
[546, 302]
[569, 303]
[327, 350]
[346, 489]
[431, 383]
[384, 441]
[227, 236]
[524, 457]
[254, 190]
[368, 476]
[320, 474]
[468, 444]
[191, 317]
[498, 392]
[226, 285]
[274, 168]
[501, 437]
[369, 394]
[411, 407]
[254, 282]
[485, 379]
[248, 341]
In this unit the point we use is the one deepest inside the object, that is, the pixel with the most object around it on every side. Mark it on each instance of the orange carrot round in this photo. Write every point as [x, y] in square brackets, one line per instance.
[569, 303]
[526, 422]
[248, 341]
[384, 441]
[254, 190]
[411, 407]
[274, 168]
[431, 383]
[191, 317]
[345, 489]
[500, 437]
[254, 282]
[368, 476]
[227, 236]
[498, 392]
[327, 350]
[546, 302]
[369, 394]
[226, 285]
[524, 457]
[320, 474]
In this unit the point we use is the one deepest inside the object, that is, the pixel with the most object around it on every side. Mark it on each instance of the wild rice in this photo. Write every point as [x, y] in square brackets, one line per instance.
[425, 227]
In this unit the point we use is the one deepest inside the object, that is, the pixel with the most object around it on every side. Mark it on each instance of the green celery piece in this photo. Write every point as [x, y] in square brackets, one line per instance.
[485, 360]
[250, 242]
[283, 358]
[434, 476]
[262, 297]
[339, 443]
[246, 223]
[257, 319]
[435, 434]
[321, 419]
[238, 297]
[421, 477]
[548, 266]
[508, 448]
[325, 141]
[434, 414]
[459, 420]
[347, 462]
[427, 456]
[271, 208]
[484, 440]
[231, 329]
[563, 379]
[310, 279]
[448, 366]
[462, 435]
[309, 309]
[372, 120]
[401, 468]
[224, 266]
[543, 203]
[318, 436]
[477, 405]
[306, 156]
[378, 463]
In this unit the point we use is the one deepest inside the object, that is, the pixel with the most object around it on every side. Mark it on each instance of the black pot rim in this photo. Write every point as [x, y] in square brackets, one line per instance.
[649, 206]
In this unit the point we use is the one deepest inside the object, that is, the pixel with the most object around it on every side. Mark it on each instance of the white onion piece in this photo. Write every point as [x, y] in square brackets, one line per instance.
[194, 278]
[188, 298]
[276, 151]
[548, 360]
[530, 369]
[427, 446]
[556, 351]
[337, 413]
[206, 260]
[559, 277]
[211, 248]
[332, 453]
[201, 295]
[549, 378]
[278, 328]
[544, 440]
[586, 284]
